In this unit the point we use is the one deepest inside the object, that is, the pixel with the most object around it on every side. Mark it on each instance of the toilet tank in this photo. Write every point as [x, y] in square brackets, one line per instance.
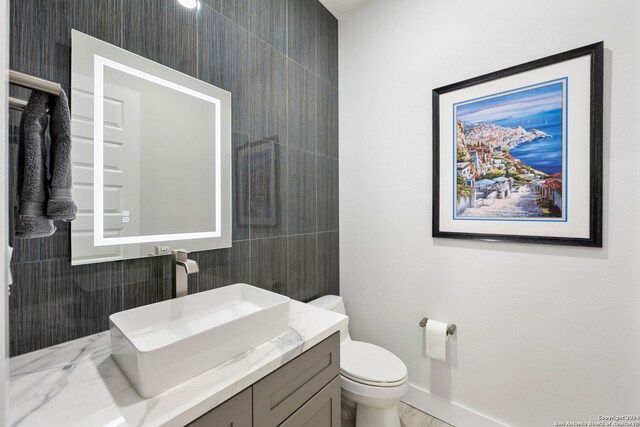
[333, 303]
[329, 302]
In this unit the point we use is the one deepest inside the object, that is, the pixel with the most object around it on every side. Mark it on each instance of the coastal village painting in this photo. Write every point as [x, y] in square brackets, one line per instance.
[509, 155]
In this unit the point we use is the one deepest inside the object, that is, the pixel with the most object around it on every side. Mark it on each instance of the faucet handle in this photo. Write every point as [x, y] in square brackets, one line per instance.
[180, 254]
[191, 266]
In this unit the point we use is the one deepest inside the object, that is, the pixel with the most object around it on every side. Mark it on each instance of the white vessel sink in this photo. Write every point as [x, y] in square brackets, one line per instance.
[159, 346]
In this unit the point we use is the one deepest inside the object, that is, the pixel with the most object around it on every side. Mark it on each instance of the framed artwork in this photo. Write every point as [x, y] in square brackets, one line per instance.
[517, 154]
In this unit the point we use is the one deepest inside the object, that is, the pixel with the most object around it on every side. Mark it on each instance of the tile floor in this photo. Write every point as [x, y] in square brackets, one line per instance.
[412, 417]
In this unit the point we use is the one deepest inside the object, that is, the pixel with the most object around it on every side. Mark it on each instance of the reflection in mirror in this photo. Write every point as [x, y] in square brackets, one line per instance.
[151, 157]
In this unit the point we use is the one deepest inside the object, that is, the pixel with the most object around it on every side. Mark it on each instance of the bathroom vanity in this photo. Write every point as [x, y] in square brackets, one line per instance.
[288, 381]
[305, 391]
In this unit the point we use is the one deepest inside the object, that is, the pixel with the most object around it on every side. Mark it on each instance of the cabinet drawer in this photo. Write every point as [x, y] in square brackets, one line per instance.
[235, 412]
[282, 392]
[323, 410]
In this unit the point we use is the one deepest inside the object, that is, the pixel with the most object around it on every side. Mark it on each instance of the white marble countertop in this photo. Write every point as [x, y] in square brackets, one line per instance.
[77, 383]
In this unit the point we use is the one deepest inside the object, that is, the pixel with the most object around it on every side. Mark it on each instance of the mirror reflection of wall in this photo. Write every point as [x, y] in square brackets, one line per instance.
[165, 160]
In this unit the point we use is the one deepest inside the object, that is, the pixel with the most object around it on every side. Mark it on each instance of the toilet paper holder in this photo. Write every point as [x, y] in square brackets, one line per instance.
[451, 329]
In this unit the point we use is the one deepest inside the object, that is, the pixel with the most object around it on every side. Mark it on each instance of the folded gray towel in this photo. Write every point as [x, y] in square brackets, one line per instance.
[60, 205]
[33, 192]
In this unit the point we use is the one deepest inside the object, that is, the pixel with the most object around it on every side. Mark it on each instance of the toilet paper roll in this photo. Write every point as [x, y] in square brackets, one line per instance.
[435, 339]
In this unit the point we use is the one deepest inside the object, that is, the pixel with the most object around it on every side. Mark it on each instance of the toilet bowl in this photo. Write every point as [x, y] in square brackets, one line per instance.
[373, 379]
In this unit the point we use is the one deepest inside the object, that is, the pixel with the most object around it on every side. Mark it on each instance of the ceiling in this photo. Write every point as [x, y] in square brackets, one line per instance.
[340, 8]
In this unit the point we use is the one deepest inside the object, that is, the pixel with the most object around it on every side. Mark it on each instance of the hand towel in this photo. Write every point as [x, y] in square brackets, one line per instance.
[60, 205]
[31, 221]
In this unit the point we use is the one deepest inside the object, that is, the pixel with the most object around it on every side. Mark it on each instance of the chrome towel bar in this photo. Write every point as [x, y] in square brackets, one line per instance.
[30, 82]
[17, 103]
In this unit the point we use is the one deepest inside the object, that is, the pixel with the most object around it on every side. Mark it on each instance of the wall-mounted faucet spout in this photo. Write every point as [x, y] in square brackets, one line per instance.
[182, 267]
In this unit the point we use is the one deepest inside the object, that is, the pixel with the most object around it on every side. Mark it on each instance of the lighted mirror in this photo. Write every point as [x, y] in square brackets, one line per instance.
[151, 157]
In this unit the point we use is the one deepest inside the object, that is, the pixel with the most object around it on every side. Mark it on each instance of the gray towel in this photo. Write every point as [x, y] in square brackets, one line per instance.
[33, 193]
[60, 205]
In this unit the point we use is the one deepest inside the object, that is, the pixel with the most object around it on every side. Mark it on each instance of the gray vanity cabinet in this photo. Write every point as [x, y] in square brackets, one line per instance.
[323, 410]
[303, 393]
[282, 392]
[235, 412]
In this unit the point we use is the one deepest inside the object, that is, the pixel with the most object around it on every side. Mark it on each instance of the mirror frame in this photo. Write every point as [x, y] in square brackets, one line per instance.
[97, 54]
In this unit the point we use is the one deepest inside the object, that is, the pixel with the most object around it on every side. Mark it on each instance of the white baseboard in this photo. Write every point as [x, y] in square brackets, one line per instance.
[450, 412]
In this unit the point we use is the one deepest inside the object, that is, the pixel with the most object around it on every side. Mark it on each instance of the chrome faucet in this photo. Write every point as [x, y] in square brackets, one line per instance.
[182, 267]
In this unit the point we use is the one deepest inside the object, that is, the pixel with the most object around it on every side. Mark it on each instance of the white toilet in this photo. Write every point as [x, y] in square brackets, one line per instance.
[373, 379]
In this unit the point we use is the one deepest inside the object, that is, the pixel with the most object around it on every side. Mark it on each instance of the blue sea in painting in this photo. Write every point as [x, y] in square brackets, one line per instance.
[537, 108]
[543, 154]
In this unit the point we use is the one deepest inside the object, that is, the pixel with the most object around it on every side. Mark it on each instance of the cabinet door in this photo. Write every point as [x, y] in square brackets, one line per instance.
[235, 412]
[282, 392]
[323, 410]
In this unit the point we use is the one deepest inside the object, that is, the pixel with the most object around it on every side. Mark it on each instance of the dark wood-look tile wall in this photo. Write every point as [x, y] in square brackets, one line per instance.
[327, 119]
[327, 194]
[326, 45]
[269, 22]
[223, 61]
[302, 107]
[328, 278]
[278, 58]
[268, 87]
[40, 39]
[163, 31]
[302, 32]
[101, 19]
[269, 264]
[302, 197]
[302, 262]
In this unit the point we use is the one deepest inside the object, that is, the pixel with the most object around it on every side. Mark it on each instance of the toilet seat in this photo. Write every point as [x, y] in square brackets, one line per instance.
[372, 383]
[372, 365]
[374, 395]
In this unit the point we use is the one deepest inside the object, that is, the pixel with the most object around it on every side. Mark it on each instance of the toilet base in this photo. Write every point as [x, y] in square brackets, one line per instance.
[348, 413]
[369, 412]
[368, 416]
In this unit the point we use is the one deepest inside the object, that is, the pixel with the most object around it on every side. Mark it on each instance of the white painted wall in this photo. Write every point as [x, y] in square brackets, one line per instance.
[545, 333]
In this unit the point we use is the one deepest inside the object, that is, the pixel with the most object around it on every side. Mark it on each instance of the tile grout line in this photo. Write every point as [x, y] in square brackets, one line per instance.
[288, 156]
[282, 235]
[249, 125]
[288, 165]
[315, 134]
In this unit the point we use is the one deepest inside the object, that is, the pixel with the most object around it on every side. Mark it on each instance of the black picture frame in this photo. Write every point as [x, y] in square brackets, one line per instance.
[595, 163]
